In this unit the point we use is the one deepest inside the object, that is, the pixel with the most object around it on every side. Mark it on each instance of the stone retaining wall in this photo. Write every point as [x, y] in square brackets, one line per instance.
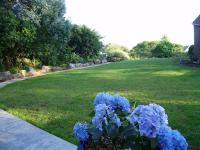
[4, 76]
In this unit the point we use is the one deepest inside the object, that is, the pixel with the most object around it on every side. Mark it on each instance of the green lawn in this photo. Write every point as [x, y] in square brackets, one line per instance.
[55, 102]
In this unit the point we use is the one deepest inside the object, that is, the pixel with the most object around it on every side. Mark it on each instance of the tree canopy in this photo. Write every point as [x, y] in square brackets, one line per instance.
[38, 30]
[162, 48]
[85, 42]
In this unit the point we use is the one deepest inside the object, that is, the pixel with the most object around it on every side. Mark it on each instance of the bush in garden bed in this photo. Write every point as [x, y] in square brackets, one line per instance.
[117, 126]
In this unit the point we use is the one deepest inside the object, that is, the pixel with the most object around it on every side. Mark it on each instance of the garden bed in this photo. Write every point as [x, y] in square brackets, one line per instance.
[5, 76]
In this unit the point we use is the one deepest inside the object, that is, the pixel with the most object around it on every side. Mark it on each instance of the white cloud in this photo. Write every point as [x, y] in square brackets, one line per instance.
[128, 22]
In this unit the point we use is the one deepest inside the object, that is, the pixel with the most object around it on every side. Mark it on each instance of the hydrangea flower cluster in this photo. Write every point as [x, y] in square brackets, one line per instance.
[169, 139]
[150, 118]
[142, 128]
[104, 114]
[102, 98]
[80, 131]
[116, 102]
[120, 103]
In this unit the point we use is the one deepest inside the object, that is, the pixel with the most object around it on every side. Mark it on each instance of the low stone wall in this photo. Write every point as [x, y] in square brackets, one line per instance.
[4, 76]
[78, 65]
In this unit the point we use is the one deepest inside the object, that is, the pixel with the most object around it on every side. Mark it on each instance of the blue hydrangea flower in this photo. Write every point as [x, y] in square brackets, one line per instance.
[102, 98]
[100, 115]
[104, 114]
[116, 102]
[80, 131]
[115, 119]
[80, 147]
[169, 139]
[165, 138]
[120, 103]
[150, 119]
[179, 141]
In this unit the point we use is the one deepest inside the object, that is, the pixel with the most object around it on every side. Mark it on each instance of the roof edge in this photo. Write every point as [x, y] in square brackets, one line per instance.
[195, 24]
[197, 21]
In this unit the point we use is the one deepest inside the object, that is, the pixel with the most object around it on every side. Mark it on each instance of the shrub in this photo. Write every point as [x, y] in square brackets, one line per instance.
[167, 49]
[114, 56]
[143, 50]
[116, 47]
[116, 52]
[117, 126]
[13, 70]
[2, 68]
[74, 58]
[178, 50]
[191, 52]
[64, 65]
[163, 49]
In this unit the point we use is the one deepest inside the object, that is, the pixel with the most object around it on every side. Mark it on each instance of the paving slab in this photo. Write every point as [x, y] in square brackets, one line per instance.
[16, 134]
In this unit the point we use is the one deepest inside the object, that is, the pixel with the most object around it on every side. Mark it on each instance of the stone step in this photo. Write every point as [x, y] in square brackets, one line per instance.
[17, 134]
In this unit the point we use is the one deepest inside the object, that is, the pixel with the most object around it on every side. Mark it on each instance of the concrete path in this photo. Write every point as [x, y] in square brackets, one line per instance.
[16, 134]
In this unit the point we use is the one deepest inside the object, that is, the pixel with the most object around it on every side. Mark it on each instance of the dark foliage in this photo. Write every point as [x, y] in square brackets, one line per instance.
[85, 42]
[38, 31]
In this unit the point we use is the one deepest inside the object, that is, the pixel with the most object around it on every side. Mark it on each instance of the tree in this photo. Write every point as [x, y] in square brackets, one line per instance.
[116, 47]
[53, 33]
[52, 29]
[191, 52]
[143, 49]
[37, 30]
[166, 49]
[85, 42]
[16, 37]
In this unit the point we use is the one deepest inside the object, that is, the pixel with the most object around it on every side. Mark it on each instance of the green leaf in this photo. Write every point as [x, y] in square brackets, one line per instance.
[96, 133]
[132, 145]
[154, 143]
[112, 130]
[128, 131]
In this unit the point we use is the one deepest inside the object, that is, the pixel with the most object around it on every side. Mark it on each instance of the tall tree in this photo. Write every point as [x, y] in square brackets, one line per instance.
[16, 37]
[53, 32]
[85, 42]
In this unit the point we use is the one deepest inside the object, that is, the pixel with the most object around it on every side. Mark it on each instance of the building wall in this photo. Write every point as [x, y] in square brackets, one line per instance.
[196, 42]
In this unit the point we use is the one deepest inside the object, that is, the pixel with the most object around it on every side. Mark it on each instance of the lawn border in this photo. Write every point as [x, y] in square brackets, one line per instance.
[3, 84]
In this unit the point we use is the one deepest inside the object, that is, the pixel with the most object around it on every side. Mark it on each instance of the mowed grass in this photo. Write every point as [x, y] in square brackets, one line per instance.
[55, 102]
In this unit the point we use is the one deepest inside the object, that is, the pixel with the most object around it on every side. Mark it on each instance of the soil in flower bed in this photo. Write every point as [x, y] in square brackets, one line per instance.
[89, 145]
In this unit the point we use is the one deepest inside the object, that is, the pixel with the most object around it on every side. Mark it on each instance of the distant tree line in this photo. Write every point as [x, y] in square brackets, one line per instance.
[161, 49]
[146, 49]
[38, 31]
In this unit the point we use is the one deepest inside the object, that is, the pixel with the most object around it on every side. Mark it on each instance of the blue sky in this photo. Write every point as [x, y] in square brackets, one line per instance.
[128, 22]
